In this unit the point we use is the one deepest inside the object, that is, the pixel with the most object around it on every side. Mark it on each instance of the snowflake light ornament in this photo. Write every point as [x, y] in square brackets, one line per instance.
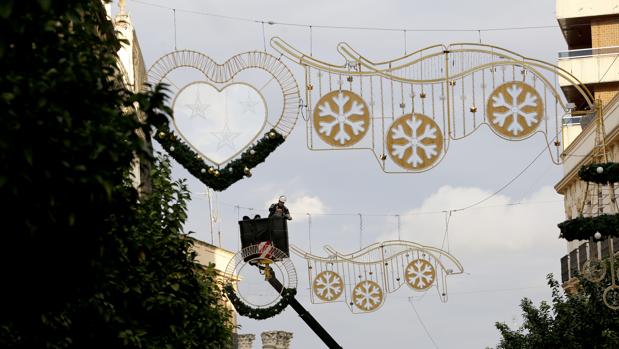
[328, 286]
[420, 274]
[415, 142]
[341, 118]
[515, 110]
[367, 296]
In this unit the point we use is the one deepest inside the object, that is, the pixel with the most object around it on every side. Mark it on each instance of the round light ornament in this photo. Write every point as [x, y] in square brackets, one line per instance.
[420, 274]
[599, 169]
[341, 118]
[367, 296]
[415, 142]
[597, 235]
[515, 110]
[328, 286]
[594, 270]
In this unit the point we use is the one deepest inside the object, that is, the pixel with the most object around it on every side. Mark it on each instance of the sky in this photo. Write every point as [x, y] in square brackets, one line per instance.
[507, 245]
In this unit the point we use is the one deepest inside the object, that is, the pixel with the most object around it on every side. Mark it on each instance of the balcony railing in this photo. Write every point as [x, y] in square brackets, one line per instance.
[587, 52]
[572, 263]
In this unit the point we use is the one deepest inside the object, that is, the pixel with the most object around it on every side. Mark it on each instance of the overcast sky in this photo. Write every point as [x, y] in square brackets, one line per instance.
[506, 249]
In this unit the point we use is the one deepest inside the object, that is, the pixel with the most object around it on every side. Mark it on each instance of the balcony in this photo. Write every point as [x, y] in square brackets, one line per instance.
[586, 8]
[591, 65]
[572, 263]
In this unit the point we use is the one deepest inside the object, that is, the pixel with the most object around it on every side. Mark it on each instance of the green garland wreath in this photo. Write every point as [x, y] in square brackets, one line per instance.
[259, 313]
[609, 173]
[583, 228]
[216, 178]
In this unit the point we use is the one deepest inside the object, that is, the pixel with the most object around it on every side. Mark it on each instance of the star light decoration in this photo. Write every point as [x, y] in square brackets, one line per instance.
[198, 109]
[249, 105]
[225, 137]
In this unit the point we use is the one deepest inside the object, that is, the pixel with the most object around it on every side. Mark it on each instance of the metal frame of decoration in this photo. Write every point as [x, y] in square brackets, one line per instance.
[265, 262]
[221, 74]
[452, 84]
[363, 279]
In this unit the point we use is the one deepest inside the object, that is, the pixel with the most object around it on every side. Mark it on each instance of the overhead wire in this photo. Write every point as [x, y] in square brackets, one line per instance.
[422, 324]
[348, 27]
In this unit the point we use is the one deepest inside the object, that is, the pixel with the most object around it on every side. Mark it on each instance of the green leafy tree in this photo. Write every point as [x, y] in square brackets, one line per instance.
[85, 262]
[579, 320]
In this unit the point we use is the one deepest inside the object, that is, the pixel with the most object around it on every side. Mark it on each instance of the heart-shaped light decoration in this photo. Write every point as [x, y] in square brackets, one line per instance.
[219, 123]
[222, 120]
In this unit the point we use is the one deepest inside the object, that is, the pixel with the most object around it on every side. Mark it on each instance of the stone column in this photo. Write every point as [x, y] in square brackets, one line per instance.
[276, 340]
[245, 341]
[283, 339]
[269, 340]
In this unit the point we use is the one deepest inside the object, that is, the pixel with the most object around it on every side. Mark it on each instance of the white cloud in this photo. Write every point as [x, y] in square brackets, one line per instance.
[499, 224]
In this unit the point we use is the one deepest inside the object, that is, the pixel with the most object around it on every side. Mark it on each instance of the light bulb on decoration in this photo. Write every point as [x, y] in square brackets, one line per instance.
[216, 173]
[203, 170]
[247, 172]
[172, 148]
[211, 170]
[599, 169]
[198, 157]
[252, 152]
[231, 169]
[597, 235]
[272, 134]
[162, 134]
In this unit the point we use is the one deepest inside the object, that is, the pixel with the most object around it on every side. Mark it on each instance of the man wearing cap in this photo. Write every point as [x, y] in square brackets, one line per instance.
[280, 209]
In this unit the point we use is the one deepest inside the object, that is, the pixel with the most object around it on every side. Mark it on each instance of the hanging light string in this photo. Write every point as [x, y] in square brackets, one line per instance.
[264, 38]
[389, 29]
[174, 15]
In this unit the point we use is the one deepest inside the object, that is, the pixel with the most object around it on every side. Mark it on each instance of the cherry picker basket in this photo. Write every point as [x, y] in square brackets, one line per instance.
[266, 233]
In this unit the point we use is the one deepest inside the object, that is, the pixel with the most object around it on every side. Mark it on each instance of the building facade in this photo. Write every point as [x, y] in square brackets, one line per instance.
[591, 31]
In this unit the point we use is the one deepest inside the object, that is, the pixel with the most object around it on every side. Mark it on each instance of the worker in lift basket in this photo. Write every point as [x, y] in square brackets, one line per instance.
[280, 209]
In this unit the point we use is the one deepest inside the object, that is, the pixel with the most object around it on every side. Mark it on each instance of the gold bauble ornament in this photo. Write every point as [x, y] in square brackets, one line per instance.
[216, 173]
[162, 135]
[272, 134]
[247, 172]
[211, 170]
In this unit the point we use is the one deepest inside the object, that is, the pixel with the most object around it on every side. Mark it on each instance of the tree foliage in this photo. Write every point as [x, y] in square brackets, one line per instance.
[84, 260]
[579, 320]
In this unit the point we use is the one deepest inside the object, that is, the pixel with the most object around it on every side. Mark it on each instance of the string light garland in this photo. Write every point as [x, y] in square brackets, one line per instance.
[216, 178]
[259, 313]
[584, 228]
[603, 173]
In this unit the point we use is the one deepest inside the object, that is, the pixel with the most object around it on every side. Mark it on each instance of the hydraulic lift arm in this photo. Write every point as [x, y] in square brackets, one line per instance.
[307, 317]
